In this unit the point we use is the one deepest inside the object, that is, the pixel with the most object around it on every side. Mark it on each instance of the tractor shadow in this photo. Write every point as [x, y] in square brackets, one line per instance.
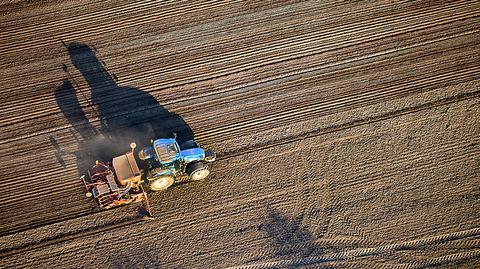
[108, 117]
[288, 238]
[138, 259]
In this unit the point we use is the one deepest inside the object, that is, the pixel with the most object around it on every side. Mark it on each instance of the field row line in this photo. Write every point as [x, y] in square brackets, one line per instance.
[176, 35]
[331, 83]
[456, 98]
[337, 105]
[299, 41]
[281, 76]
[115, 14]
[352, 124]
[146, 18]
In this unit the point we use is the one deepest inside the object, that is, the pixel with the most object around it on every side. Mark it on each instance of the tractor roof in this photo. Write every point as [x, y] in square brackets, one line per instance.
[167, 149]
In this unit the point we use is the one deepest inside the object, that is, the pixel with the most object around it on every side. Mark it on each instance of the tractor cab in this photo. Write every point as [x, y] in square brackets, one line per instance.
[167, 150]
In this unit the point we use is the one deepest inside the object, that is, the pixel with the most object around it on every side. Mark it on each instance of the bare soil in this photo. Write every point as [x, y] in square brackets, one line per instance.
[347, 132]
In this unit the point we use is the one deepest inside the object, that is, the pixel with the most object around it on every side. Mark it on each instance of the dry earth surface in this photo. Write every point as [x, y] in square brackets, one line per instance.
[347, 132]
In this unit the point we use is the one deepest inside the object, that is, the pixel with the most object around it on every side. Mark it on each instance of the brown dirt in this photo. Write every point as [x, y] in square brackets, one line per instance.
[347, 132]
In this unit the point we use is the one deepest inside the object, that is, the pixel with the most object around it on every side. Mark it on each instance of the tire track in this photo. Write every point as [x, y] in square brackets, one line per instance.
[362, 252]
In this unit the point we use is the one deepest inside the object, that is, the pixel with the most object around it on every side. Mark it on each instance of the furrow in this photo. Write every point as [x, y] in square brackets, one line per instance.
[64, 127]
[237, 51]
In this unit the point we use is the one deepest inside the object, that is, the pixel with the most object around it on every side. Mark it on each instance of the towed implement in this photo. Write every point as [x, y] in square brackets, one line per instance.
[164, 163]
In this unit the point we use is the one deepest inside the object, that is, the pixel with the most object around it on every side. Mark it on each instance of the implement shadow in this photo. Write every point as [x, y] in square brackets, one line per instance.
[124, 114]
[289, 240]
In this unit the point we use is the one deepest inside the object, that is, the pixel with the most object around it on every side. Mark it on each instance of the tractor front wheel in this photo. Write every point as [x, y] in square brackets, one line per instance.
[198, 170]
[161, 183]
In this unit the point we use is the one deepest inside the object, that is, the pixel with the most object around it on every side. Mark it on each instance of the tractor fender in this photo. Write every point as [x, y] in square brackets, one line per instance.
[193, 155]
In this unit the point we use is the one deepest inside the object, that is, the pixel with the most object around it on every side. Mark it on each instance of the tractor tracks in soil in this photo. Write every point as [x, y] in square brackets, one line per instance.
[328, 260]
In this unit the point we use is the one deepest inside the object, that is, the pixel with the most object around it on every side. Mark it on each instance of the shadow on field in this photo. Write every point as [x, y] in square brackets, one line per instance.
[289, 240]
[138, 259]
[124, 114]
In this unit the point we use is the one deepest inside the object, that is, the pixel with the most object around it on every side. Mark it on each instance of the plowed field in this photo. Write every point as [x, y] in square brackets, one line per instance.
[347, 132]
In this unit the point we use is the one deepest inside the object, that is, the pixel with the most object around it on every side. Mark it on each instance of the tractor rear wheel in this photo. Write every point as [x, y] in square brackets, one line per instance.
[190, 144]
[161, 183]
[198, 170]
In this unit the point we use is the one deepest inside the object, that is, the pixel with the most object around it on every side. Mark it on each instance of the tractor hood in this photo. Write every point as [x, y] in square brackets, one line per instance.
[191, 155]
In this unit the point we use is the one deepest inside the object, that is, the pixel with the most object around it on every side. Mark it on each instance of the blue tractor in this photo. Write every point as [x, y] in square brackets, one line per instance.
[164, 163]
